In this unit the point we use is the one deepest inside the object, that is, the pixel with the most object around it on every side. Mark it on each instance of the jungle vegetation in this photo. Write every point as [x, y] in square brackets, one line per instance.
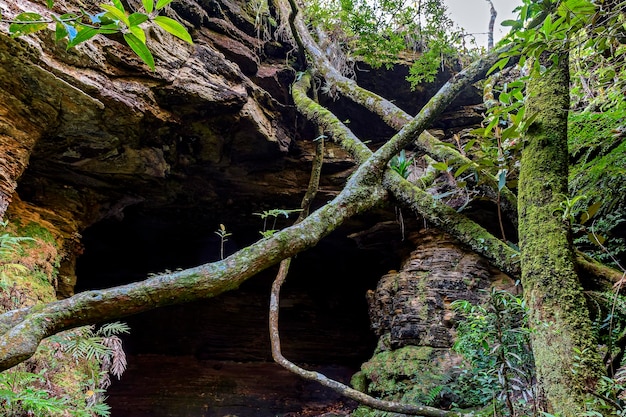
[570, 54]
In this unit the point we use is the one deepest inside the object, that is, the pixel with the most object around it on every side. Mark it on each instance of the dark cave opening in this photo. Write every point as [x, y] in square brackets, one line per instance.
[212, 357]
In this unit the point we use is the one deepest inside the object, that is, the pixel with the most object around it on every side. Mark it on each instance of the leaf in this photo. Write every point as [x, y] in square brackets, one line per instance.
[591, 211]
[118, 5]
[462, 169]
[116, 13]
[109, 29]
[140, 49]
[596, 239]
[50, 3]
[148, 5]
[136, 19]
[19, 29]
[173, 27]
[162, 3]
[59, 31]
[84, 33]
[499, 65]
[440, 166]
[139, 33]
[501, 179]
[515, 24]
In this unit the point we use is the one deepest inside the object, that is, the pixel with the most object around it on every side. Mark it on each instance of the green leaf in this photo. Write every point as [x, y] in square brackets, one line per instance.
[148, 5]
[59, 32]
[515, 24]
[162, 3]
[136, 19]
[50, 3]
[84, 33]
[118, 5]
[19, 29]
[173, 27]
[109, 29]
[116, 13]
[462, 169]
[499, 65]
[139, 33]
[440, 166]
[140, 49]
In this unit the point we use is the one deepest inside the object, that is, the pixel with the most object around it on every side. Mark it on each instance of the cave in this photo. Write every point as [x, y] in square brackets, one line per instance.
[212, 358]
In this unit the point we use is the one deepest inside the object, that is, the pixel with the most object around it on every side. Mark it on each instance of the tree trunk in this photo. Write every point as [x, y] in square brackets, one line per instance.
[563, 342]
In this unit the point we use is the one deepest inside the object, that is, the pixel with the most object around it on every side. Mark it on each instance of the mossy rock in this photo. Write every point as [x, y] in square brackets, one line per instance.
[597, 143]
[411, 374]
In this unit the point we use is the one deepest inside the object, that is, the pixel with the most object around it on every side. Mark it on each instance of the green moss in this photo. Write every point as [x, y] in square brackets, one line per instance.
[35, 231]
[597, 148]
[409, 374]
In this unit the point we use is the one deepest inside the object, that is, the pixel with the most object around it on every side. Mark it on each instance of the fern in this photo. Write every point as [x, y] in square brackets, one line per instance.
[433, 394]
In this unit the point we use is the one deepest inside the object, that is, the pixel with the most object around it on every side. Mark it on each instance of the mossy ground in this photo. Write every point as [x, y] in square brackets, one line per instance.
[28, 269]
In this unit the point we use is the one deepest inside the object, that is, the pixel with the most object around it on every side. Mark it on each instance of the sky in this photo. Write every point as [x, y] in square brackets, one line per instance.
[473, 16]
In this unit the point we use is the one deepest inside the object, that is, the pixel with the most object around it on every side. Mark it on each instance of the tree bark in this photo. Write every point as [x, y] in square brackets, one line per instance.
[562, 338]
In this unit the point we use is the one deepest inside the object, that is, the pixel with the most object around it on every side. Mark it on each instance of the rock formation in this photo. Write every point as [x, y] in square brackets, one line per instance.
[147, 165]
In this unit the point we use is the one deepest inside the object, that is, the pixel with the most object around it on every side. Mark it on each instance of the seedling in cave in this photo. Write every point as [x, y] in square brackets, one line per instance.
[273, 213]
[223, 234]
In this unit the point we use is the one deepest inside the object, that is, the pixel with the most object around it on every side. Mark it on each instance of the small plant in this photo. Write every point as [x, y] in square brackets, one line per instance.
[274, 213]
[103, 345]
[401, 164]
[22, 393]
[223, 234]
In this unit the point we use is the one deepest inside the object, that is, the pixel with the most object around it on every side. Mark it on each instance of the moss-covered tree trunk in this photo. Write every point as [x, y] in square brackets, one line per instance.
[563, 342]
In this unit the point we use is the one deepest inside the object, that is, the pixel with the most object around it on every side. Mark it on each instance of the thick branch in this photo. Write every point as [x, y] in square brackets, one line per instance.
[396, 118]
[449, 220]
[24, 329]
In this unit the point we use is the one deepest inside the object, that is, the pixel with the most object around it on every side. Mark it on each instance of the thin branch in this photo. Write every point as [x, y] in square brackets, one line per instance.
[492, 20]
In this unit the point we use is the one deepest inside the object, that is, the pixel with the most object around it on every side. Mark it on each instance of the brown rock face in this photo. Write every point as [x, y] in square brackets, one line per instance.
[412, 306]
[134, 171]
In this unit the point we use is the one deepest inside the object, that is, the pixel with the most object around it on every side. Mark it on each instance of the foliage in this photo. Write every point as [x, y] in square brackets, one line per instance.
[401, 164]
[597, 147]
[378, 32]
[113, 18]
[28, 393]
[223, 235]
[494, 341]
[593, 33]
[275, 214]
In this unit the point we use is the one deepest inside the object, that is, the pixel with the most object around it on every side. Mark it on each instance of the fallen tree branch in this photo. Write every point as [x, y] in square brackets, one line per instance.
[22, 330]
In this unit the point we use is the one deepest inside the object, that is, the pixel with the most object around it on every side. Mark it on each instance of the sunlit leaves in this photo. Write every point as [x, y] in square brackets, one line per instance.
[378, 31]
[162, 3]
[140, 48]
[173, 27]
[148, 5]
[114, 18]
[25, 23]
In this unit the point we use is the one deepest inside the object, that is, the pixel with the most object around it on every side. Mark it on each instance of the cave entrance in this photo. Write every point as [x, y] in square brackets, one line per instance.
[212, 357]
